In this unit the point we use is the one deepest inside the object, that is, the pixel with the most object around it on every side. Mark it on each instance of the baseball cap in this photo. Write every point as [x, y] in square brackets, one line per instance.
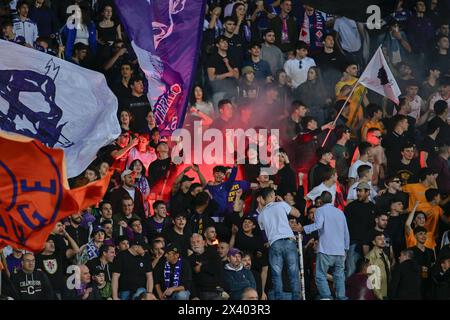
[97, 230]
[248, 69]
[125, 173]
[137, 242]
[363, 185]
[233, 252]
[172, 247]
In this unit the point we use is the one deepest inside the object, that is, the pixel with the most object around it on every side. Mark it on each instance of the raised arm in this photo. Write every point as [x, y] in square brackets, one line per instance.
[410, 219]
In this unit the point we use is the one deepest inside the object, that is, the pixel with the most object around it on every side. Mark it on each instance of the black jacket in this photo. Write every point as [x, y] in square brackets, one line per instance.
[210, 275]
[440, 284]
[405, 283]
[277, 27]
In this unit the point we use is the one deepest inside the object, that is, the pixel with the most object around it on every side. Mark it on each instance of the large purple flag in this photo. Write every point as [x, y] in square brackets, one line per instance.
[165, 34]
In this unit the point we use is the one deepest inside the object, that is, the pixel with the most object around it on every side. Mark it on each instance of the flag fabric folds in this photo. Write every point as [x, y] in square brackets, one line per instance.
[33, 192]
[165, 36]
[378, 77]
[57, 102]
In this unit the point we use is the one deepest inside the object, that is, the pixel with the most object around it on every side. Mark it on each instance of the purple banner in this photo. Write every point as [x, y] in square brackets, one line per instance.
[165, 34]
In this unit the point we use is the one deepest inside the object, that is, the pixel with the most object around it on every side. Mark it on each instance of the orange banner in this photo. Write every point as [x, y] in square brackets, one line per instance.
[34, 193]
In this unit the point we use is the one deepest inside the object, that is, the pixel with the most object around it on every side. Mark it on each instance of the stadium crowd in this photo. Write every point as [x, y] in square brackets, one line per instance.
[371, 205]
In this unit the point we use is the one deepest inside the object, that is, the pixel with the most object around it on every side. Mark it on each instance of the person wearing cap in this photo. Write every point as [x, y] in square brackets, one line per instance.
[249, 87]
[261, 67]
[91, 250]
[128, 189]
[236, 277]
[247, 237]
[297, 69]
[182, 199]
[405, 283]
[282, 243]
[334, 243]
[360, 215]
[173, 276]
[180, 233]
[425, 258]
[380, 271]
[132, 273]
[365, 174]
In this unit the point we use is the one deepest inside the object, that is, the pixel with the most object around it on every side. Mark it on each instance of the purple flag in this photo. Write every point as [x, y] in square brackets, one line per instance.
[165, 36]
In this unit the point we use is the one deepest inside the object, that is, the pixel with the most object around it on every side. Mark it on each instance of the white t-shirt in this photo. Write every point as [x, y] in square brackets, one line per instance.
[297, 74]
[317, 191]
[348, 33]
[353, 171]
[352, 192]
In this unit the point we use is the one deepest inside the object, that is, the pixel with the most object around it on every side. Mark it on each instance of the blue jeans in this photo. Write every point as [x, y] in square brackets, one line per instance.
[284, 252]
[180, 295]
[323, 263]
[352, 259]
[284, 295]
[126, 295]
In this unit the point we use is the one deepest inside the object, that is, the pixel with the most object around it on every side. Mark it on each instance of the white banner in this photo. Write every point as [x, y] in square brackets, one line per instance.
[57, 102]
[379, 78]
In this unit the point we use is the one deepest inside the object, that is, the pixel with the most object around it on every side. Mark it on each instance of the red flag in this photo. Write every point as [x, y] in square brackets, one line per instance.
[34, 193]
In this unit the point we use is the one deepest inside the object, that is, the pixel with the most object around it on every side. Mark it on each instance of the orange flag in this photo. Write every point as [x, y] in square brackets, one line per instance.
[34, 193]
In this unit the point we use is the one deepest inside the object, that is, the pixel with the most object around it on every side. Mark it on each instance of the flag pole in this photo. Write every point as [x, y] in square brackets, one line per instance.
[302, 268]
[340, 112]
